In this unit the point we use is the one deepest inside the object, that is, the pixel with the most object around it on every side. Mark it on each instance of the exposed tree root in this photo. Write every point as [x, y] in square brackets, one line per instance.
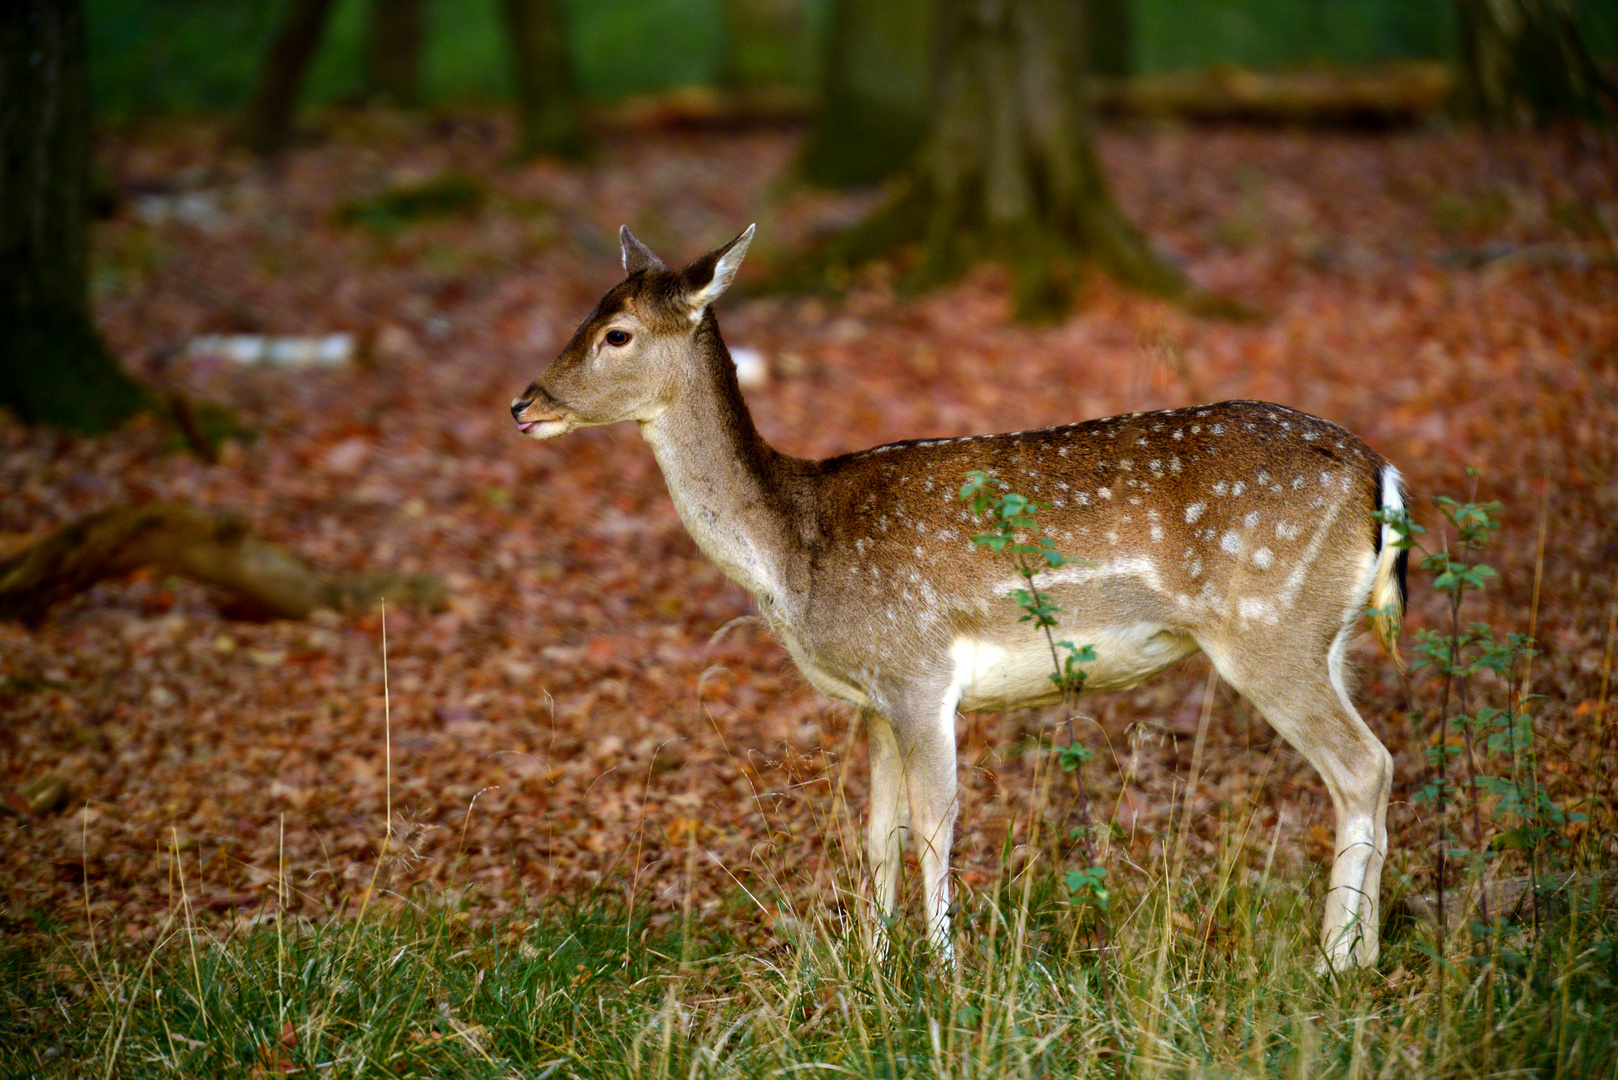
[216, 549]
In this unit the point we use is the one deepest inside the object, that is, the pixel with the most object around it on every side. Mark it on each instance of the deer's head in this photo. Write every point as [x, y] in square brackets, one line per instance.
[644, 341]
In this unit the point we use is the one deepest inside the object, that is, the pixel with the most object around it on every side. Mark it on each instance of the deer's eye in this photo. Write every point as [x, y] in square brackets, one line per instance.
[618, 337]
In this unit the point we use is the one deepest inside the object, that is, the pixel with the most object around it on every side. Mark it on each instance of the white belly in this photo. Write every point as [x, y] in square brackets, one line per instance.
[992, 676]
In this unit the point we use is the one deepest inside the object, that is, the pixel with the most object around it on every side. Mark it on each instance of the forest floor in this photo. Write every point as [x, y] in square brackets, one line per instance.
[596, 707]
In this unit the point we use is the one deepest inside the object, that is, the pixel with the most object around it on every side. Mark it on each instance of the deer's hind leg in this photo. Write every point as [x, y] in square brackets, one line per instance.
[1302, 691]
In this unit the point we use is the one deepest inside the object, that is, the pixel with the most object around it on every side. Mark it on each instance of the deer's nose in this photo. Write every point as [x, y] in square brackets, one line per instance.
[518, 406]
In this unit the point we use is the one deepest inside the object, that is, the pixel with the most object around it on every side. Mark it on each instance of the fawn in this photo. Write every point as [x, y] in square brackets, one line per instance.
[1243, 529]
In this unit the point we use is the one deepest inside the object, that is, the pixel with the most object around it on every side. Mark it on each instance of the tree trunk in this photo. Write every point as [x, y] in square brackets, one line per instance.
[873, 93]
[548, 119]
[1009, 170]
[394, 60]
[53, 365]
[267, 126]
[1110, 37]
[767, 43]
[1523, 61]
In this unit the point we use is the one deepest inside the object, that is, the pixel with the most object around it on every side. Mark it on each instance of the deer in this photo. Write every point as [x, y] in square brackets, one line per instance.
[1251, 532]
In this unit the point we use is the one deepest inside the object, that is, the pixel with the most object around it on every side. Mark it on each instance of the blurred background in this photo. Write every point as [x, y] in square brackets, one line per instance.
[203, 55]
[327, 241]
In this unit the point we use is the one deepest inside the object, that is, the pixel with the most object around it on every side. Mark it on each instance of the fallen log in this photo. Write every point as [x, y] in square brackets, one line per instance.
[1504, 900]
[214, 548]
[1387, 94]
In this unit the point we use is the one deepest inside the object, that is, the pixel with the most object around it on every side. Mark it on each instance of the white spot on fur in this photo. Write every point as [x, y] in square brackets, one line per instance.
[1194, 511]
[1231, 543]
[1263, 558]
[1252, 609]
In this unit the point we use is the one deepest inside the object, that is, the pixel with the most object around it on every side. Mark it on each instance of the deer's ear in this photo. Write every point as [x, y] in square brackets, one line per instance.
[637, 256]
[705, 280]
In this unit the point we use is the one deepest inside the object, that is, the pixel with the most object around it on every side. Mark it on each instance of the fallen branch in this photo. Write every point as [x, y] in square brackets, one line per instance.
[216, 549]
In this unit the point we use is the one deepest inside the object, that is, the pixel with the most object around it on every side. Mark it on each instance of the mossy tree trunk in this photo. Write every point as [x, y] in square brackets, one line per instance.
[873, 92]
[548, 106]
[393, 61]
[266, 127]
[1009, 171]
[1111, 37]
[54, 367]
[1524, 61]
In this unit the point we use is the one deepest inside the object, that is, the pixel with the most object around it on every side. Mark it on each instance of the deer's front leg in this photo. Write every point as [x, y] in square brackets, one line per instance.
[889, 816]
[926, 739]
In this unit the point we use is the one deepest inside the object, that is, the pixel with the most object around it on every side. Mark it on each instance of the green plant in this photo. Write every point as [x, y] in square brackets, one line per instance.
[1013, 532]
[1492, 746]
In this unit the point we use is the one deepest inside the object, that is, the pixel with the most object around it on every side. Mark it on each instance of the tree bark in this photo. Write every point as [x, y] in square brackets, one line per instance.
[216, 549]
[873, 93]
[1008, 171]
[53, 366]
[1523, 61]
[548, 112]
[267, 126]
[394, 57]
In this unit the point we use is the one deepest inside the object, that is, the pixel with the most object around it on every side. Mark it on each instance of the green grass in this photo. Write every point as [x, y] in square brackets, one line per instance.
[1213, 981]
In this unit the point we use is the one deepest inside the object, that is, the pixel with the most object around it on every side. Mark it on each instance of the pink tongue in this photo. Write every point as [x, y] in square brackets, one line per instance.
[523, 427]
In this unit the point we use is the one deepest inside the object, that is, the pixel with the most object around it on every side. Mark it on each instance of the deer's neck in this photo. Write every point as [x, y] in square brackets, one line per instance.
[729, 486]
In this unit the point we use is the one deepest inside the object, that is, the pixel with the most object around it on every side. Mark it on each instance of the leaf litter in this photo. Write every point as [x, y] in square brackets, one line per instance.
[597, 707]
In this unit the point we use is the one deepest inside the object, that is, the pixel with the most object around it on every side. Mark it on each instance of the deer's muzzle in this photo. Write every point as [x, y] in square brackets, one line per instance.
[540, 416]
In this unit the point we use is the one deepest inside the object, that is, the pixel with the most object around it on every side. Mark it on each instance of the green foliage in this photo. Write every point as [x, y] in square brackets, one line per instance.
[1496, 750]
[188, 57]
[203, 58]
